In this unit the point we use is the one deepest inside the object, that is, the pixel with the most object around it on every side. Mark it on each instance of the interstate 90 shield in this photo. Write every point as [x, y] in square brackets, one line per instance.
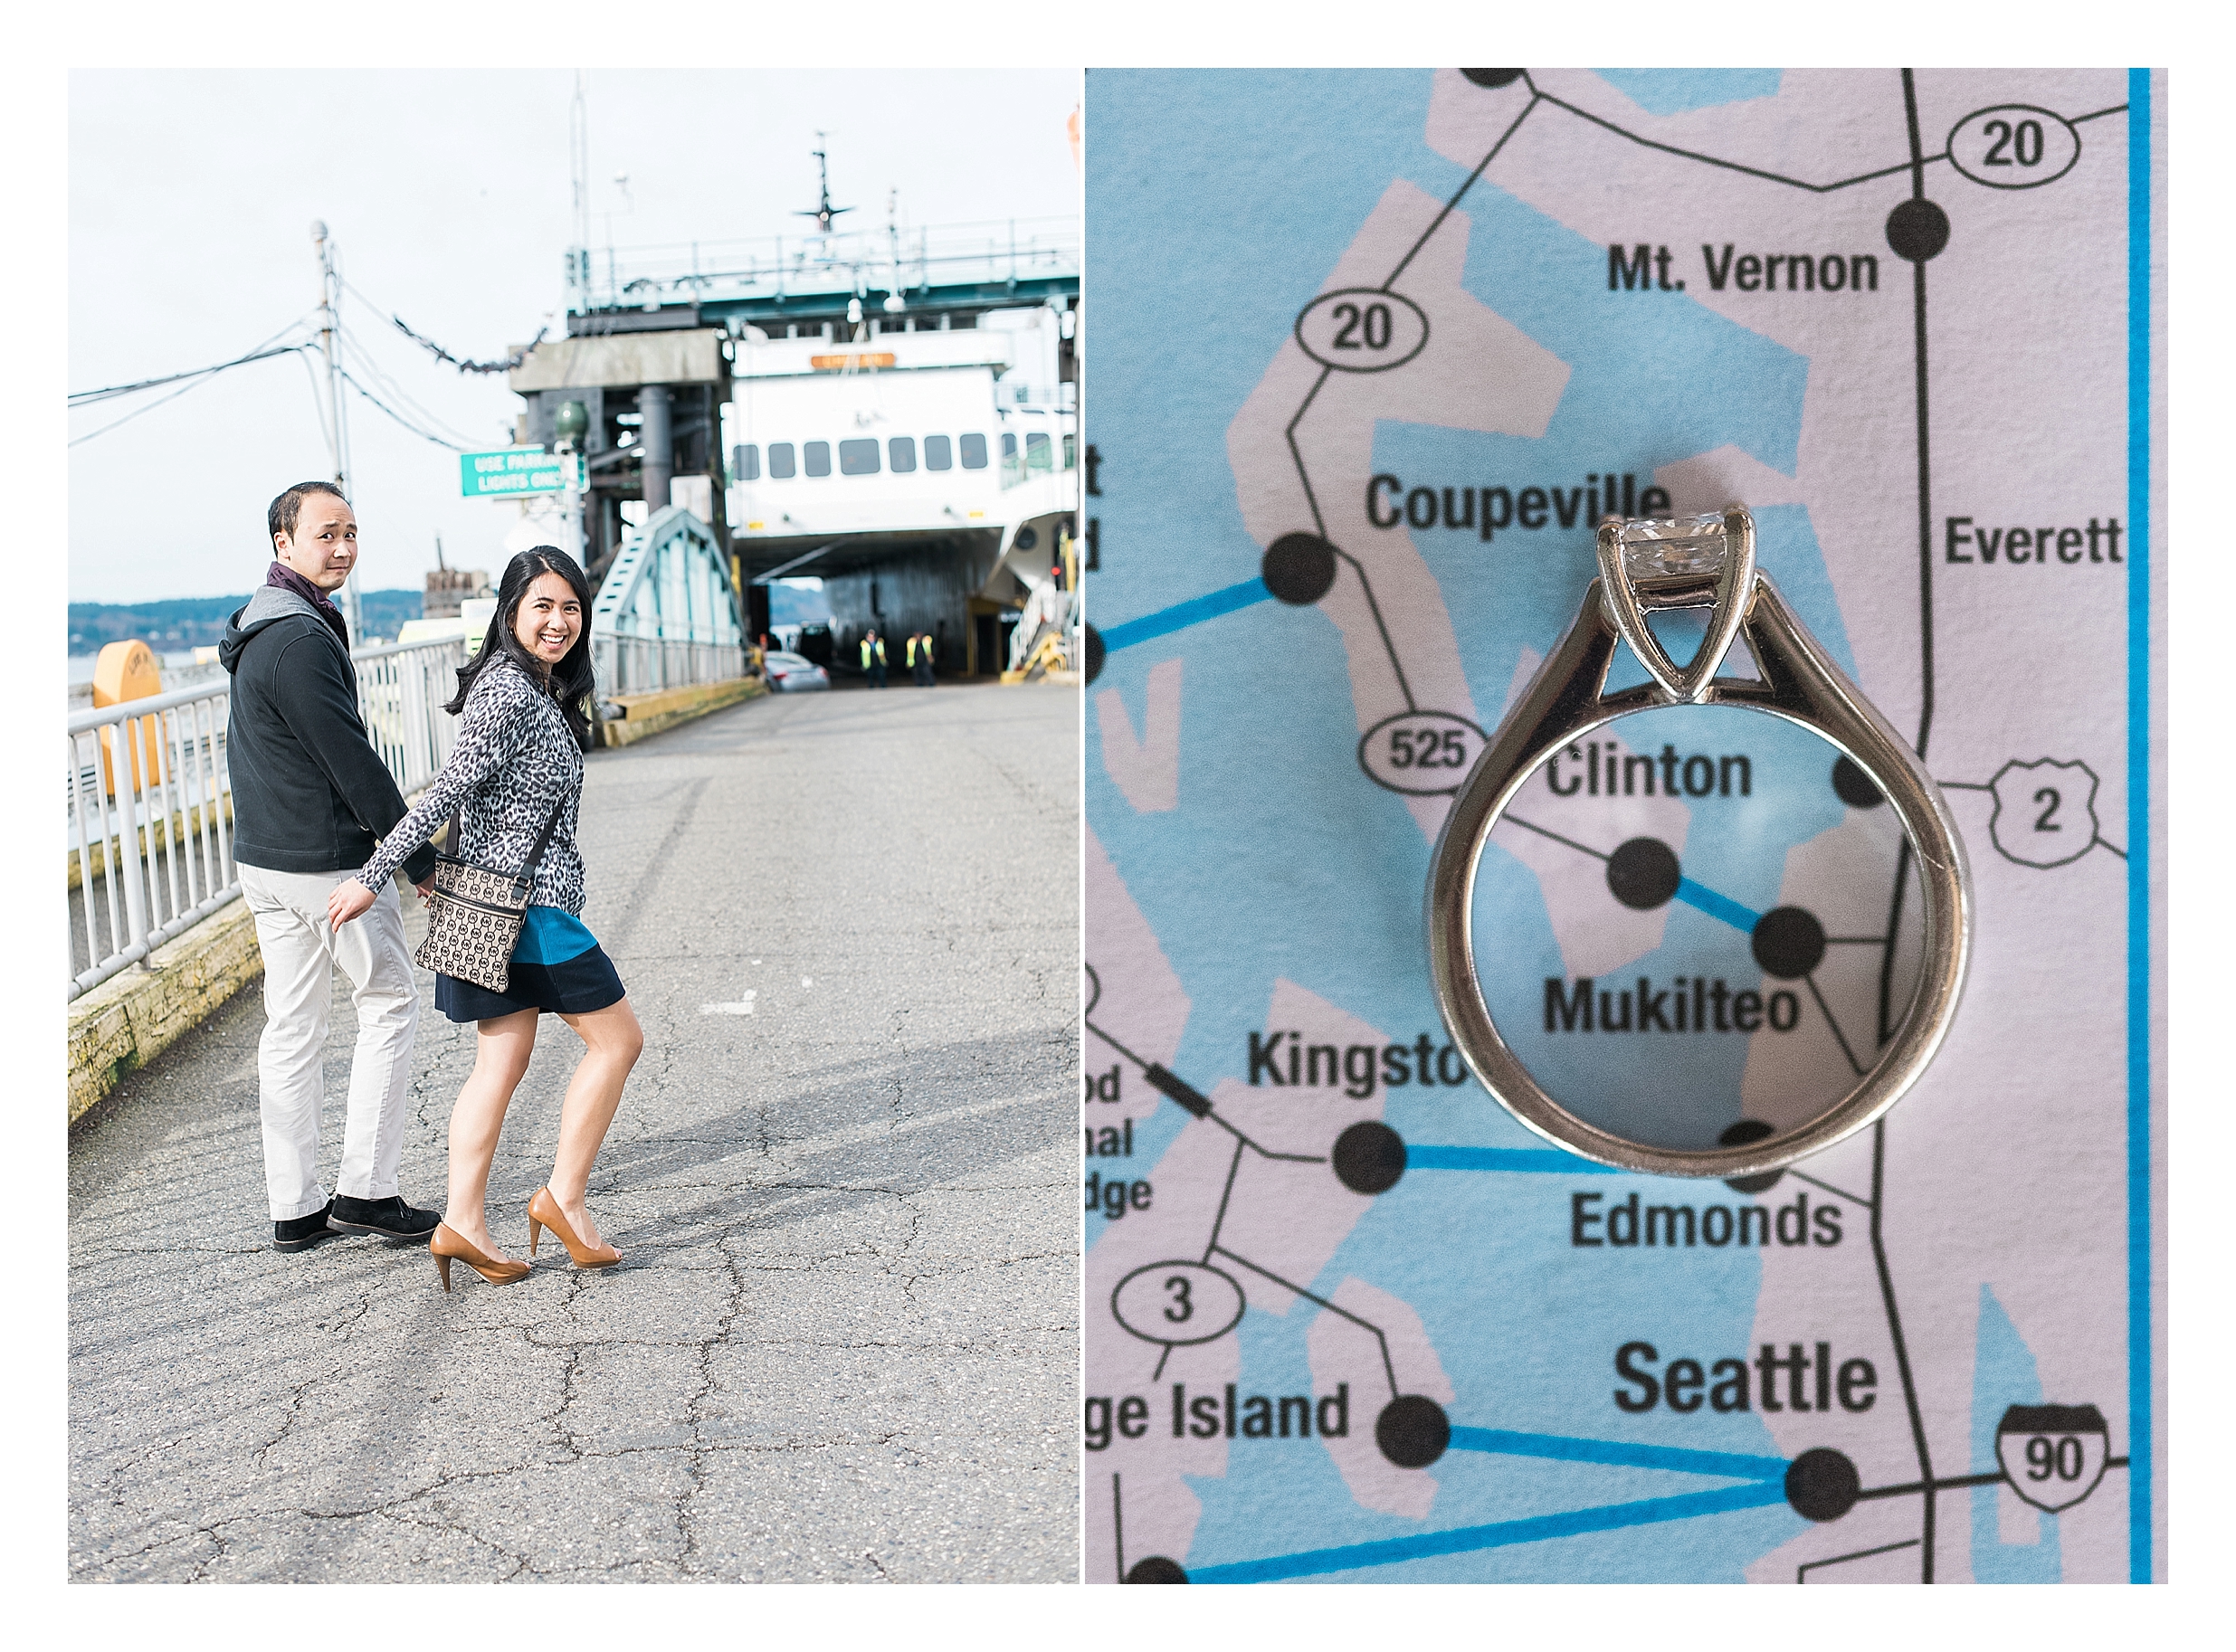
[2052, 1455]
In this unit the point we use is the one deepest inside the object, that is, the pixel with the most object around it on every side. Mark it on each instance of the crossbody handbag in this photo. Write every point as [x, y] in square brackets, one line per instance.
[474, 918]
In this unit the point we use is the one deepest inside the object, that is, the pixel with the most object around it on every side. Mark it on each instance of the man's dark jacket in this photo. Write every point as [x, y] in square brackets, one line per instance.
[310, 794]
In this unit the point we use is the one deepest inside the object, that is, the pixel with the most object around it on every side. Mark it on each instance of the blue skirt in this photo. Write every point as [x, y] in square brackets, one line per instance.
[558, 967]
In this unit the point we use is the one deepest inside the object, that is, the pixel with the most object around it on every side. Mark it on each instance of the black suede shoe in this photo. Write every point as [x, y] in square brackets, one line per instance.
[390, 1218]
[302, 1232]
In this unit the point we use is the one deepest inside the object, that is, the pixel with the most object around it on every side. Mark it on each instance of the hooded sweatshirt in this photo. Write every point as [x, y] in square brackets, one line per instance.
[310, 794]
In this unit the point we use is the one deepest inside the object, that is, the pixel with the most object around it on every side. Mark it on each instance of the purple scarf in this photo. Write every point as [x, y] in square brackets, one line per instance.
[288, 579]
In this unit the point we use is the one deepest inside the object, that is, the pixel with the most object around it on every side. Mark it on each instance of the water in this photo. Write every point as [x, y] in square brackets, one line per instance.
[81, 667]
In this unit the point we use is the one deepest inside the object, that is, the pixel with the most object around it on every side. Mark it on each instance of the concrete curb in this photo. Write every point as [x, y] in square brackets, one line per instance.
[649, 714]
[133, 1017]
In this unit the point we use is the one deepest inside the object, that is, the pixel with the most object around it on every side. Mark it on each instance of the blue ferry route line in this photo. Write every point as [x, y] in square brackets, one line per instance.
[1542, 1160]
[1623, 1454]
[1499, 1534]
[1181, 615]
[1702, 898]
[1698, 896]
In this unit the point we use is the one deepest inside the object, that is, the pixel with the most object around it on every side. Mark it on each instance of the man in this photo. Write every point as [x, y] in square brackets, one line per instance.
[311, 797]
[920, 660]
[873, 658]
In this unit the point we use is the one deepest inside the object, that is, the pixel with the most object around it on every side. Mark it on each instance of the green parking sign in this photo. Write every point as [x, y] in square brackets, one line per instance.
[506, 471]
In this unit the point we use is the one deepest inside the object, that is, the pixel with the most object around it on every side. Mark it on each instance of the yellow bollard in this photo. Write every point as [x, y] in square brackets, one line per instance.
[127, 672]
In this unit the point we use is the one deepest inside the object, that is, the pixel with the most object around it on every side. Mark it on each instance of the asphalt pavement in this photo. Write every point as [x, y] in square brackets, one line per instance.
[843, 1343]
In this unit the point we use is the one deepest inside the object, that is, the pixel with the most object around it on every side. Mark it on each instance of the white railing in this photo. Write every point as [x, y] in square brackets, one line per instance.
[402, 688]
[639, 665]
[150, 798]
[987, 252]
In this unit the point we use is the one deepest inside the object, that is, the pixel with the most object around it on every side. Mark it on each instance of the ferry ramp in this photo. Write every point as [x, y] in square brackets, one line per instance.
[845, 1342]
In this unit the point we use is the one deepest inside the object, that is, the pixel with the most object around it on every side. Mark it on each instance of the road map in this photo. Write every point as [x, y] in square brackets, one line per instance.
[1374, 352]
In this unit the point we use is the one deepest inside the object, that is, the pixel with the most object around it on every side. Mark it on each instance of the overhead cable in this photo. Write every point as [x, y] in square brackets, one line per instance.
[386, 383]
[85, 398]
[505, 365]
[399, 418]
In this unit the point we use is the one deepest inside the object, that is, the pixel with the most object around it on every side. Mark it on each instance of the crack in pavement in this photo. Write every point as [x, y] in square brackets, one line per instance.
[843, 1345]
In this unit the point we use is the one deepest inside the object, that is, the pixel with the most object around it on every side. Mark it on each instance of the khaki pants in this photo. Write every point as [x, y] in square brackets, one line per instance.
[301, 951]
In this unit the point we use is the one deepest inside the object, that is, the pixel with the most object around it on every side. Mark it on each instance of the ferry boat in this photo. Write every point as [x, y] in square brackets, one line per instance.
[895, 415]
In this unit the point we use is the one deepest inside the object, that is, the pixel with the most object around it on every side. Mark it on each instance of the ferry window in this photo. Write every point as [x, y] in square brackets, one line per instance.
[780, 465]
[900, 451]
[818, 456]
[937, 455]
[745, 462]
[1009, 445]
[1037, 451]
[859, 457]
[974, 452]
[1070, 452]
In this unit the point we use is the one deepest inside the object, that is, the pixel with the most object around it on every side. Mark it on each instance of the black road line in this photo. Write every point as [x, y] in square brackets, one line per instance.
[1541, 832]
[1089, 1023]
[1828, 1187]
[1964, 786]
[2099, 842]
[1711, 160]
[1388, 1369]
[1855, 940]
[1296, 458]
[1802, 1576]
[1491, 153]
[1925, 556]
[1374, 608]
[1311, 499]
[1296, 454]
[1811, 982]
[1901, 1347]
[1908, 1487]
[1265, 1152]
[1161, 1358]
[1220, 1220]
[1117, 1522]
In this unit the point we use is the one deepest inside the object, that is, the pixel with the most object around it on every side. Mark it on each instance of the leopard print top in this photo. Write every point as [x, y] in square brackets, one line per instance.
[515, 756]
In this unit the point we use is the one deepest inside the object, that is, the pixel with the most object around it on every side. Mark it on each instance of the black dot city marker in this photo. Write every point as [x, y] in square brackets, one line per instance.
[1788, 942]
[1822, 1484]
[1369, 1157]
[1413, 1430]
[1853, 787]
[1642, 874]
[1094, 653]
[1299, 568]
[1157, 1568]
[1917, 230]
[1738, 1135]
[1493, 78]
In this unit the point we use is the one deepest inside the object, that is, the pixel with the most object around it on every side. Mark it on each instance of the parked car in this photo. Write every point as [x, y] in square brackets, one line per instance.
[790, 674]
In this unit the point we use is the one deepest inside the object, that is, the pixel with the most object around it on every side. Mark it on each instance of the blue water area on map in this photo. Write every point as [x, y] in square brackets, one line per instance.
[1672, 91]
[1283, 861]
[2003, 1373]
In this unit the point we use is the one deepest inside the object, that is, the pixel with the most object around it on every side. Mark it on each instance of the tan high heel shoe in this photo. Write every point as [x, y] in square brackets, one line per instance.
[447, 1244]
[543, 1212]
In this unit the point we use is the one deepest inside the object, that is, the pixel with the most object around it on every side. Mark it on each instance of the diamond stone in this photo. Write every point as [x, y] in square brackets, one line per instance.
[1658, 547]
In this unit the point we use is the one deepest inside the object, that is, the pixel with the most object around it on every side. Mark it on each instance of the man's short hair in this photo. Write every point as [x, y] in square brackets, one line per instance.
[280, 518]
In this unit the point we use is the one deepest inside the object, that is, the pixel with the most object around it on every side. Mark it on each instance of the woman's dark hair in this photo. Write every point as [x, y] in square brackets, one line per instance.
[570, 680]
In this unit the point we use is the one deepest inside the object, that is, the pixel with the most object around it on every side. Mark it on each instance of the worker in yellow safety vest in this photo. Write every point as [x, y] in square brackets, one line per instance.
[920, 659]
[873, 658]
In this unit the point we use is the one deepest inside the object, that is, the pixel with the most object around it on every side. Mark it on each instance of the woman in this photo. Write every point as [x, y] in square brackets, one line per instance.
[515, 773]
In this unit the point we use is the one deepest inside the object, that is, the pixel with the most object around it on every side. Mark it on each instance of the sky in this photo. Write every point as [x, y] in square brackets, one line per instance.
[447, 193]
